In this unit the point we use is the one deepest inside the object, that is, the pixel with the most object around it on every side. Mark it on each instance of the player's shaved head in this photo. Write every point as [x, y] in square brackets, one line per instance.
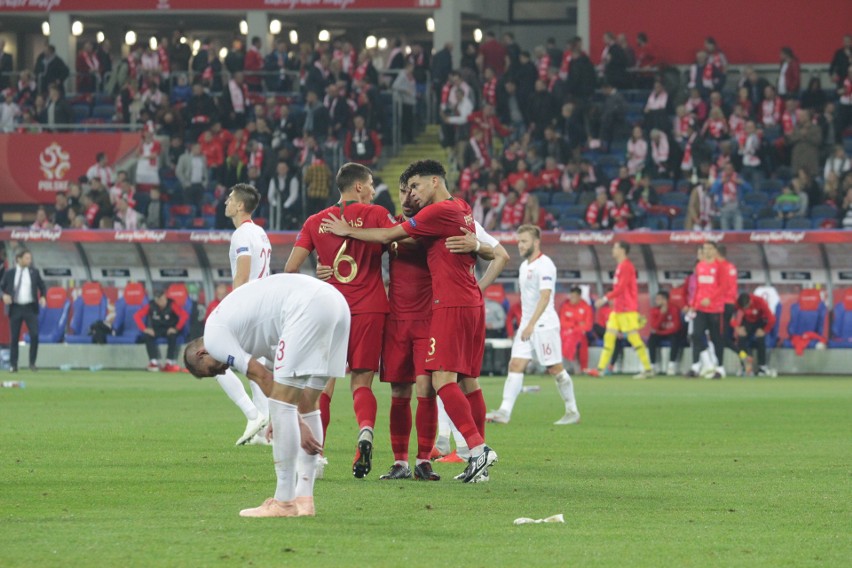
[351, 173]
[198, 361]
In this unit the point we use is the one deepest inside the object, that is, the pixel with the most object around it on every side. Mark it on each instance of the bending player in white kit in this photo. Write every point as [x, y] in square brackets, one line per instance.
[301, 324]
[250, 259]
[538, 331]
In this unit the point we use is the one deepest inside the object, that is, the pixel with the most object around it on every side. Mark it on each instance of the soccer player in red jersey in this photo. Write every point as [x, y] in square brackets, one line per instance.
[731, 294]
[752, 322]
[575, 321]
[706, 307]
[407, 337]
[457, 330]
[625, 314]
[357, 274]
[665, 323]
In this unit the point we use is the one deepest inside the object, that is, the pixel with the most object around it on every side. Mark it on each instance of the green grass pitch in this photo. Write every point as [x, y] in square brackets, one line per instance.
[137, 469]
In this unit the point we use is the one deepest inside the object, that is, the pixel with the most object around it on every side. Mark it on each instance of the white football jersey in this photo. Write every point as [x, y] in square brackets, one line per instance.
[251, 240]
[483, 235]
[535, 276]
[250, 321]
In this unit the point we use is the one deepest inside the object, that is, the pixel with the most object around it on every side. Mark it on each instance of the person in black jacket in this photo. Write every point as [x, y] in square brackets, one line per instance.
[21, 288]
[50, 70]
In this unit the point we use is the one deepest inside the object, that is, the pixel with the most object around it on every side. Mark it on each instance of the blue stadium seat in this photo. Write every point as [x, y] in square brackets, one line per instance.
[657, 222]
[798, 223]
[678, 223]
[578, 211]
[543, 197]
[53, 317]
[772, 223]
[823, 212]
[756, 199]
[563, 198]
[841, 326]
[806, 315]
[771, 186]
[748, 223]
[124, 327]
[674, 198]
[89, 307]
[571, 223]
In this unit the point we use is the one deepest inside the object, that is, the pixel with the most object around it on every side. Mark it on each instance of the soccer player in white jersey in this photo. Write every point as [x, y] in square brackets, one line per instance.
[249, 255]
[301, 325]
[539, 330]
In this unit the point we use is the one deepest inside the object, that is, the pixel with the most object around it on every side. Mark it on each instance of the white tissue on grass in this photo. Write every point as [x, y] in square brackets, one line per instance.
[552, 519]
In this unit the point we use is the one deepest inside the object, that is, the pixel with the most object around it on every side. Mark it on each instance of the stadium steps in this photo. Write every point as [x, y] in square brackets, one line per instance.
[425, 146]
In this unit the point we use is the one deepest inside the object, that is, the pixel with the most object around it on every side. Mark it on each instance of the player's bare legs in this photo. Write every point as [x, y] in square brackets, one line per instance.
[365, 405]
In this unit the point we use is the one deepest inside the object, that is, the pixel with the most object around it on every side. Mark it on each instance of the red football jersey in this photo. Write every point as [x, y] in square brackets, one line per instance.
[710, 284]
[576, 317]
[453, 279]
[625, 291]
[757, 311]
[357, 265]
[730, 281]
[665, 323]
[410, 289]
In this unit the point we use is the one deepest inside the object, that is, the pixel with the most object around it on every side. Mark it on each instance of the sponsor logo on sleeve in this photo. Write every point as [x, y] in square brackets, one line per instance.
[242, 249]
[412, 222]
[230, 360]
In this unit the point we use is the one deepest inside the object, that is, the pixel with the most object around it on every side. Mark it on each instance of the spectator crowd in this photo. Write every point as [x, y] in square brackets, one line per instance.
[553, 136]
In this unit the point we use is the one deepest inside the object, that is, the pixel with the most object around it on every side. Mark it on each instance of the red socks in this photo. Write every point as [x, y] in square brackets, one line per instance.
[325, 413]
[458, 410]
[364, 402]
[427, 426]
[400, 427]
[477, 410]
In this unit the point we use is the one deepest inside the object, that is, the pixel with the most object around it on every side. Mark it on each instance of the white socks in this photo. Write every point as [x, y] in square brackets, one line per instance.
[233, 387]
[566, 389]
[511, 389]
[285, 447]
[306, 464]
[261, 403]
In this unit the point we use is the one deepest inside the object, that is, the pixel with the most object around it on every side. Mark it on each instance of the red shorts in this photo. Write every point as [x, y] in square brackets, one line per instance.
[457, 341]
[404, 350]
[365, 341]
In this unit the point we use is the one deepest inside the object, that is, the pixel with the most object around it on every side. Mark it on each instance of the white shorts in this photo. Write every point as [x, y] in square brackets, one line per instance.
[545, 342]
[315, 343]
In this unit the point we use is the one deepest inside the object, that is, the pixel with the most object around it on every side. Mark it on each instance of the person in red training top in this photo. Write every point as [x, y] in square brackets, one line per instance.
[730, 297]
[666, 325]
[457, 330]
[221, 292]
[575, 318]
[357, 274]
[706, 308]
[625, 314]
[752, 322]
[165, 319]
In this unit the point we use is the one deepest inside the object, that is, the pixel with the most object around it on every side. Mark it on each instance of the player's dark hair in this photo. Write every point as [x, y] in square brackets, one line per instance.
[722, 249]
[424, 168]
[349, 174]
[712, 244]
[248, 195]
[624, 246]
[21, 252]
[743, 299]
[531, 229]
[575, 290]
[664, 294]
